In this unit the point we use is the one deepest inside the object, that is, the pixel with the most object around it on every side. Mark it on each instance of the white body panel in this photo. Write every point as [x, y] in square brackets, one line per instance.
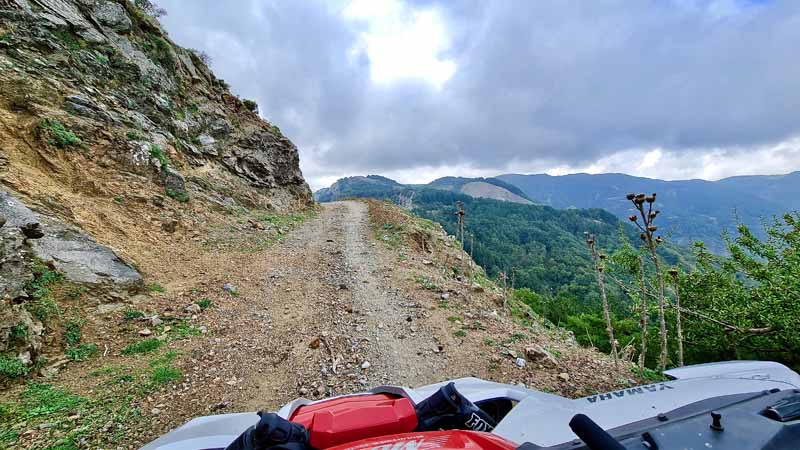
[539, 418]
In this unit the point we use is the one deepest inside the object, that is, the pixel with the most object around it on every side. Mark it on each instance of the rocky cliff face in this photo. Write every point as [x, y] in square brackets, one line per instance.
[112, 137]
[99, 80]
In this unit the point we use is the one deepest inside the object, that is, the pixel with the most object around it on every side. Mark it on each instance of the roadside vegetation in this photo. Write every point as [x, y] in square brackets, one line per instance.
[695, 306]
[255, 230]
[56, 418]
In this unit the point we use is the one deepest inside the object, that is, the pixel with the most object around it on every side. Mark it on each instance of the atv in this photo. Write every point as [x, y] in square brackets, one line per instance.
[742, 405]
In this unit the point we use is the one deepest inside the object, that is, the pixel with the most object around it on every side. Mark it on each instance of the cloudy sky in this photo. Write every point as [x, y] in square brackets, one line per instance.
[424, 88]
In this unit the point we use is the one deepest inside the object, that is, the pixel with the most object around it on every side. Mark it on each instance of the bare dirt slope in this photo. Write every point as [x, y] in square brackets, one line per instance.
[482, 189]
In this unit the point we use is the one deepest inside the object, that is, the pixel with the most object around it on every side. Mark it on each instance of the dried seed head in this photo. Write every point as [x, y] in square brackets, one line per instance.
[602, 256]
[638, 200]
[659, 240]
[643, 236]
[640, 195]
[673, 272]
[630, 196]
[653, 214]
[652, 228]
[600, 269]
[650, 199]
[633, 218]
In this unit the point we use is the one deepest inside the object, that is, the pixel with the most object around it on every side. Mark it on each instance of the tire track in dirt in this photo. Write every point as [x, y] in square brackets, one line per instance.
[396, 349]
[331, 324]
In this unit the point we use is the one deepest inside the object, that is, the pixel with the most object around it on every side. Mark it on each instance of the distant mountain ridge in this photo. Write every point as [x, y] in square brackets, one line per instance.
[376, 186]
[693, 209]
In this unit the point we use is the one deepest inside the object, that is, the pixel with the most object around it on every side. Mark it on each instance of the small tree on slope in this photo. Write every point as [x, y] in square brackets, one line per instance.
[651, 242]
[598, 272]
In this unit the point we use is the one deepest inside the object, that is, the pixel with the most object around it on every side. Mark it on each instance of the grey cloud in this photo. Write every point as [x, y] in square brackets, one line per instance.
[555, 81]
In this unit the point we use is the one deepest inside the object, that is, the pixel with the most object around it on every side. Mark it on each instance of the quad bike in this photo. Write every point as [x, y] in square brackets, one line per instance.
[743, 405]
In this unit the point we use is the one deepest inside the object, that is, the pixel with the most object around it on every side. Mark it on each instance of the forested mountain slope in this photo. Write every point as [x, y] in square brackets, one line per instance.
[695, 210]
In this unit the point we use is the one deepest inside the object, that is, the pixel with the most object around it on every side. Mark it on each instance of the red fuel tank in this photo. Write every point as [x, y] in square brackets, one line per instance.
[354, 418]
[432, 440]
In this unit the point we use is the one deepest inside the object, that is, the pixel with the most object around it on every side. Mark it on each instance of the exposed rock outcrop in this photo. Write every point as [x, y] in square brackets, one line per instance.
[70, 251]
[20, 333]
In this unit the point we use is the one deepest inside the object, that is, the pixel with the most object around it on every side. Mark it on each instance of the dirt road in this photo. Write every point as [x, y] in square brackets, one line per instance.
[326, 321]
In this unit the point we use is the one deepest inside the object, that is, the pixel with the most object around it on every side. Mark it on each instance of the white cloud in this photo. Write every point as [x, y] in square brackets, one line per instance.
[402, 42]
[649, 160]
[707, 164]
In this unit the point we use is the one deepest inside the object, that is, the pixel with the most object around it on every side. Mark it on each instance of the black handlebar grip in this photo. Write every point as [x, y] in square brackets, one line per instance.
[272, 432]
[592, 435]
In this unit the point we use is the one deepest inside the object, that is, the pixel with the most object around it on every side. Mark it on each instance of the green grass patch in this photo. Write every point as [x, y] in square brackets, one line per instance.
[43, 309]
[107, 414]
[515, 338]
[390, 234]
[40, 288]
[460, 334]
[556, 353]
[165, 375]
[72, 331]
[76, 292]
[155, 287]
[132, 314]
[11, 367]
[136, 136]
[204, 303]
[183, 330]
[109, 369]
[70, 41]
[427, 284]
[164, 360]
[158, 154]
[454, 318]
[19, 332]
[55, 133]
[649, 375]
[143, 347]
[44, 400]
[162, 372]
[81, 352]
[100, 59]
[181, 197]
[43, 279]
[159, 51]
